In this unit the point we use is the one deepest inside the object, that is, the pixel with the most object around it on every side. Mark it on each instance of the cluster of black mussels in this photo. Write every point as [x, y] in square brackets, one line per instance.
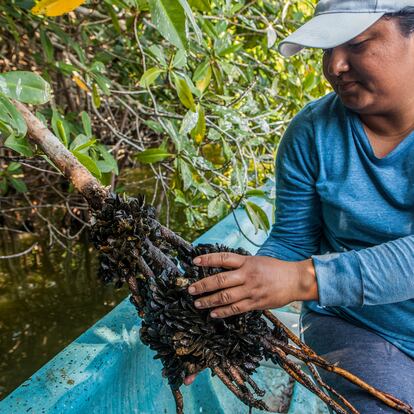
[157, 265]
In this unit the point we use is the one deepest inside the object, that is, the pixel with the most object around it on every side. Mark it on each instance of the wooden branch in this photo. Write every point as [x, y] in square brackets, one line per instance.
[170, 236]
[64, 160]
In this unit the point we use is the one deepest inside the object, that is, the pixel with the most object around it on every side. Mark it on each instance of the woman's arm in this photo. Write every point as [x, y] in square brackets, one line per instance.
[374, 276]
[296, 232]
[282, 271]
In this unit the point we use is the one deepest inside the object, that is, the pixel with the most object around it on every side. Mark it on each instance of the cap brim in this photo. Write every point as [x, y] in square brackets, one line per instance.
[327, 31]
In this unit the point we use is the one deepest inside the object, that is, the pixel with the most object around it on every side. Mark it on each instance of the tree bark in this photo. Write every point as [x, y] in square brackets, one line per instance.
[64, 160]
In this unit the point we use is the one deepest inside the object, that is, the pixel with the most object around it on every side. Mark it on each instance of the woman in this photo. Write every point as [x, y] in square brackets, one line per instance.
[343, 239]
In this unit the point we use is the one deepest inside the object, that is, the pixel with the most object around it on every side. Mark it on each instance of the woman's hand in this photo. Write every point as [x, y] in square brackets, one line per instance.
[252, 283]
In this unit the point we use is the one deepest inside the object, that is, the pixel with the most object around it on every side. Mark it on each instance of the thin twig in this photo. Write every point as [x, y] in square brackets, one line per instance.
[13, 256]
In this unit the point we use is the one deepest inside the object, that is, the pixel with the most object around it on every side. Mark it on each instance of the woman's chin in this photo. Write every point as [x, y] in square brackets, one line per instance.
[357, 103]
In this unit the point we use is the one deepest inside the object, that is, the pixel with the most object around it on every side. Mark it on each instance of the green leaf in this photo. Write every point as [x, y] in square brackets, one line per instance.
[41, 118]
[168, 17]
[180, 59]
[199, 132]
[142, 4]
[180, 197]
[14, 167]
[217, 208]
[185, 174]
[153, 155]
[239, 5]
[47, 159]
[114, 17]
[19, 144]
[11, 120]
[25, 87]
[95, 96]
[202, 75]
[150, 76]
[227, 151]
[218, 78]
[190, 217]
[47, 46]
[103, 82]
[309, 81]
[184, 93]
[271, 36]
[202, 5]
[88, 163]
[155, 126]
[178, 140]
[108, 158]
[79, 51]
[189, 122]
[257, 216]
[104, 167]
[61, 132]
[256, 193]
[209, 28]
[238, 177]
[5, 129]
[98, 67]
[86, 122]
[201, 70]
[18, 184]
[221, 26]
[60, 127]
[191, 18]
[25, 4]
[191, 85]
[198, 217]
[206, 189]
[260, 194]
[66, 68]
[159, 54]
[81, 142]
[86, 145]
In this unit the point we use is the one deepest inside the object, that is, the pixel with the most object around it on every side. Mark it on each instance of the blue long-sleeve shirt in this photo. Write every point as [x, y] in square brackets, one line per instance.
[353, 213]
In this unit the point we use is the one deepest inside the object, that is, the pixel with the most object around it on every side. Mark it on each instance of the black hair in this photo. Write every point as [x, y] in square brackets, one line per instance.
[405, 20]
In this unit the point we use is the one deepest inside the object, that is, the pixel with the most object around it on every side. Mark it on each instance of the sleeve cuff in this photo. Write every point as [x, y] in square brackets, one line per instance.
[339, 279]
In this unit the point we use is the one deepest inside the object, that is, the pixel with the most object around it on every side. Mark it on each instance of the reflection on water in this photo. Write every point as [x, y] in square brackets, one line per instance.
[47, 299]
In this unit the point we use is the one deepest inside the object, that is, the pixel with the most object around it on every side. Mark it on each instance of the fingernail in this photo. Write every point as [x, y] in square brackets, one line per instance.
[197, 304]
[191, 290]
[213, 315]
[197, 261]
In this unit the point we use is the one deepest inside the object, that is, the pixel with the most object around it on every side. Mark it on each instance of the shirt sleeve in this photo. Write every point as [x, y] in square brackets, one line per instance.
[378, 275]
[296, 232]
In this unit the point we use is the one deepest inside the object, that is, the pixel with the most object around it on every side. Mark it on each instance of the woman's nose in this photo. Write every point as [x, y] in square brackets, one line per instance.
[336, 61]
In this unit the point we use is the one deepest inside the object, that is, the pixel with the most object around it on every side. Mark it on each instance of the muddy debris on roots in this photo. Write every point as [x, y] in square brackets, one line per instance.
[158, 267]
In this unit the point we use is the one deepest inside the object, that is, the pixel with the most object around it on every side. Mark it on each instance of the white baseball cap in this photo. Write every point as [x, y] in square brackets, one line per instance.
[338, 21]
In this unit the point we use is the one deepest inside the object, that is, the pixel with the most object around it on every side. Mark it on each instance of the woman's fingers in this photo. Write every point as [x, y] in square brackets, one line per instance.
[190, 379]
[236, 308]
[222, 298]
[231, 297]
[224, 259]
[216, 282]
